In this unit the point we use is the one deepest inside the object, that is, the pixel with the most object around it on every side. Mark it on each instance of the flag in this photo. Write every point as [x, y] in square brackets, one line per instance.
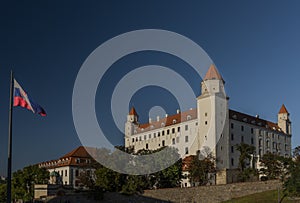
[23, 100]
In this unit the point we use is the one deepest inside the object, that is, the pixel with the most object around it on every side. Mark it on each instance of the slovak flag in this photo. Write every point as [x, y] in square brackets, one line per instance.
[23, 100]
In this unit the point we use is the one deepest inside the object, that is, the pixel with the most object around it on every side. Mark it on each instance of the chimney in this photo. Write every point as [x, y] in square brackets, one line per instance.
[257, 116]
[150, 120]
[178, 111]
[157, 118]
[166, 115]
[191, 109]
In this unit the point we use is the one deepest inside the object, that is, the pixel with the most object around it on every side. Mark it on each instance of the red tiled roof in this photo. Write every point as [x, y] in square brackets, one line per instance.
[283, 109]
[235, 115]
[77, 157]
[168, 121]
[212, 73]
[133, 112]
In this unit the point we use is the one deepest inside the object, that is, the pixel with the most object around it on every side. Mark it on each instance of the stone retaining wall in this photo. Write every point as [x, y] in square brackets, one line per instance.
[211, 194]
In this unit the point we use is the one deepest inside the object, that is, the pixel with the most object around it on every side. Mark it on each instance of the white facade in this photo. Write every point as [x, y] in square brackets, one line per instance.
[212, 124]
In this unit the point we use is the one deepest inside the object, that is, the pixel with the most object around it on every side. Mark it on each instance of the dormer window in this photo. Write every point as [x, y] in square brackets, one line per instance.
[234, 116]
[245, 119]
[162, 124]
[174, 121]
[253, 122]
[188, 117]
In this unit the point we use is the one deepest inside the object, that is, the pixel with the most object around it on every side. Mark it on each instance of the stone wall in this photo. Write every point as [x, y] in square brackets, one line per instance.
[214, 193]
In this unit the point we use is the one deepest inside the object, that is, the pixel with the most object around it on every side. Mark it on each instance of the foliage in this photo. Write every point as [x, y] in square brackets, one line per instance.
[275, 166]
[245, 154]
[2, 192]
[292, 185]
[113, 181]
[24, 180]
[201, 166]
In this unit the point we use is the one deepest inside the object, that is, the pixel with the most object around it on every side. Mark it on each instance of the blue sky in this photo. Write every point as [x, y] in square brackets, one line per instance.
[254, 44]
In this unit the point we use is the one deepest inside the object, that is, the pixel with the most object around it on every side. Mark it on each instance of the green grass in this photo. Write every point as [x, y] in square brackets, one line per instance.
[263, 197]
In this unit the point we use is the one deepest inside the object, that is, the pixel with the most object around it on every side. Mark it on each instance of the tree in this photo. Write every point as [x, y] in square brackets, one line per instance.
[2, 192]
[24, 180]
[245, 154]
[275, 166]
[201, 167]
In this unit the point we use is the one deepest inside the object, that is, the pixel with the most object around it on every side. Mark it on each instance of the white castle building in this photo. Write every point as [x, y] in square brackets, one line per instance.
[212, 124]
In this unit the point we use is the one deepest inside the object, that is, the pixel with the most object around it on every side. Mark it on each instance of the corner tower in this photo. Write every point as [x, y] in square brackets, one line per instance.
[284, 120]
[132, 121]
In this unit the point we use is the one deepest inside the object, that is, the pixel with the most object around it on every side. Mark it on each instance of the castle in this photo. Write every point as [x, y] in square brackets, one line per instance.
[212, 124]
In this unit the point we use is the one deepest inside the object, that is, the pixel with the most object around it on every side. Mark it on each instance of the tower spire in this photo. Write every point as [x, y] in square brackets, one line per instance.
[213, 73]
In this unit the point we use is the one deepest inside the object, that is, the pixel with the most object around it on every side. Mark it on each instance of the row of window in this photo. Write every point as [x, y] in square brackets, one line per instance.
[260, 132]
[158, 134]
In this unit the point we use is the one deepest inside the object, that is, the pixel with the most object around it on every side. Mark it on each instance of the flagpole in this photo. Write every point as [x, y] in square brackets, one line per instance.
[9, 158]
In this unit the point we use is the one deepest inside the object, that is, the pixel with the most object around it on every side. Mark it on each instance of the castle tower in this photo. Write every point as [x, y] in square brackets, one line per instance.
[283, 120]
[213, 120]
[132, 120]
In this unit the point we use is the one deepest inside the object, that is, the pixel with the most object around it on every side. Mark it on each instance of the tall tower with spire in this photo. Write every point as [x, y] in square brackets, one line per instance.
[212, 111]
[284, 120]
[131, 123]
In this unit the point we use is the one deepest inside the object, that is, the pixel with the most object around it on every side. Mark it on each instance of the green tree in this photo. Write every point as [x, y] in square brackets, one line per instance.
[2, 192]
[275, 166]
[24, 180]
[201, 167]
[245, 154]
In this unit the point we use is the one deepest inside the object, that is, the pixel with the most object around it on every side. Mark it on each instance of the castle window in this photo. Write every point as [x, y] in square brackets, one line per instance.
[186, 150]
[252, 140]
[232, 149]
[173, 141]
[136, 139]
[163, 133]
[242, 128]
[145, 137]
[232, 162]
[147, 146]
[149, 136]
[260, 142]
[140, 138]
[242, 139]
[205, 122]
[178, 129]
[168, 131]
[221, 148]
[163, 143]
[66, 173]
[205, 114]
[76, 173]
[252, 130]
[132, 139]
[158, 134]
[186, 138]
[268, 144]
[232, 136]
[186, 127]
[173, 130]
[232, 126]
[196, 123]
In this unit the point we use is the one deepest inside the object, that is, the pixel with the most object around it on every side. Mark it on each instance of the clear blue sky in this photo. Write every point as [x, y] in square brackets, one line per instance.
[255, 45]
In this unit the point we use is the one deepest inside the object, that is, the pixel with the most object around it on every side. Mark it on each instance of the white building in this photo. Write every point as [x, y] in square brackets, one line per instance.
[67, 169]
[212, 124]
